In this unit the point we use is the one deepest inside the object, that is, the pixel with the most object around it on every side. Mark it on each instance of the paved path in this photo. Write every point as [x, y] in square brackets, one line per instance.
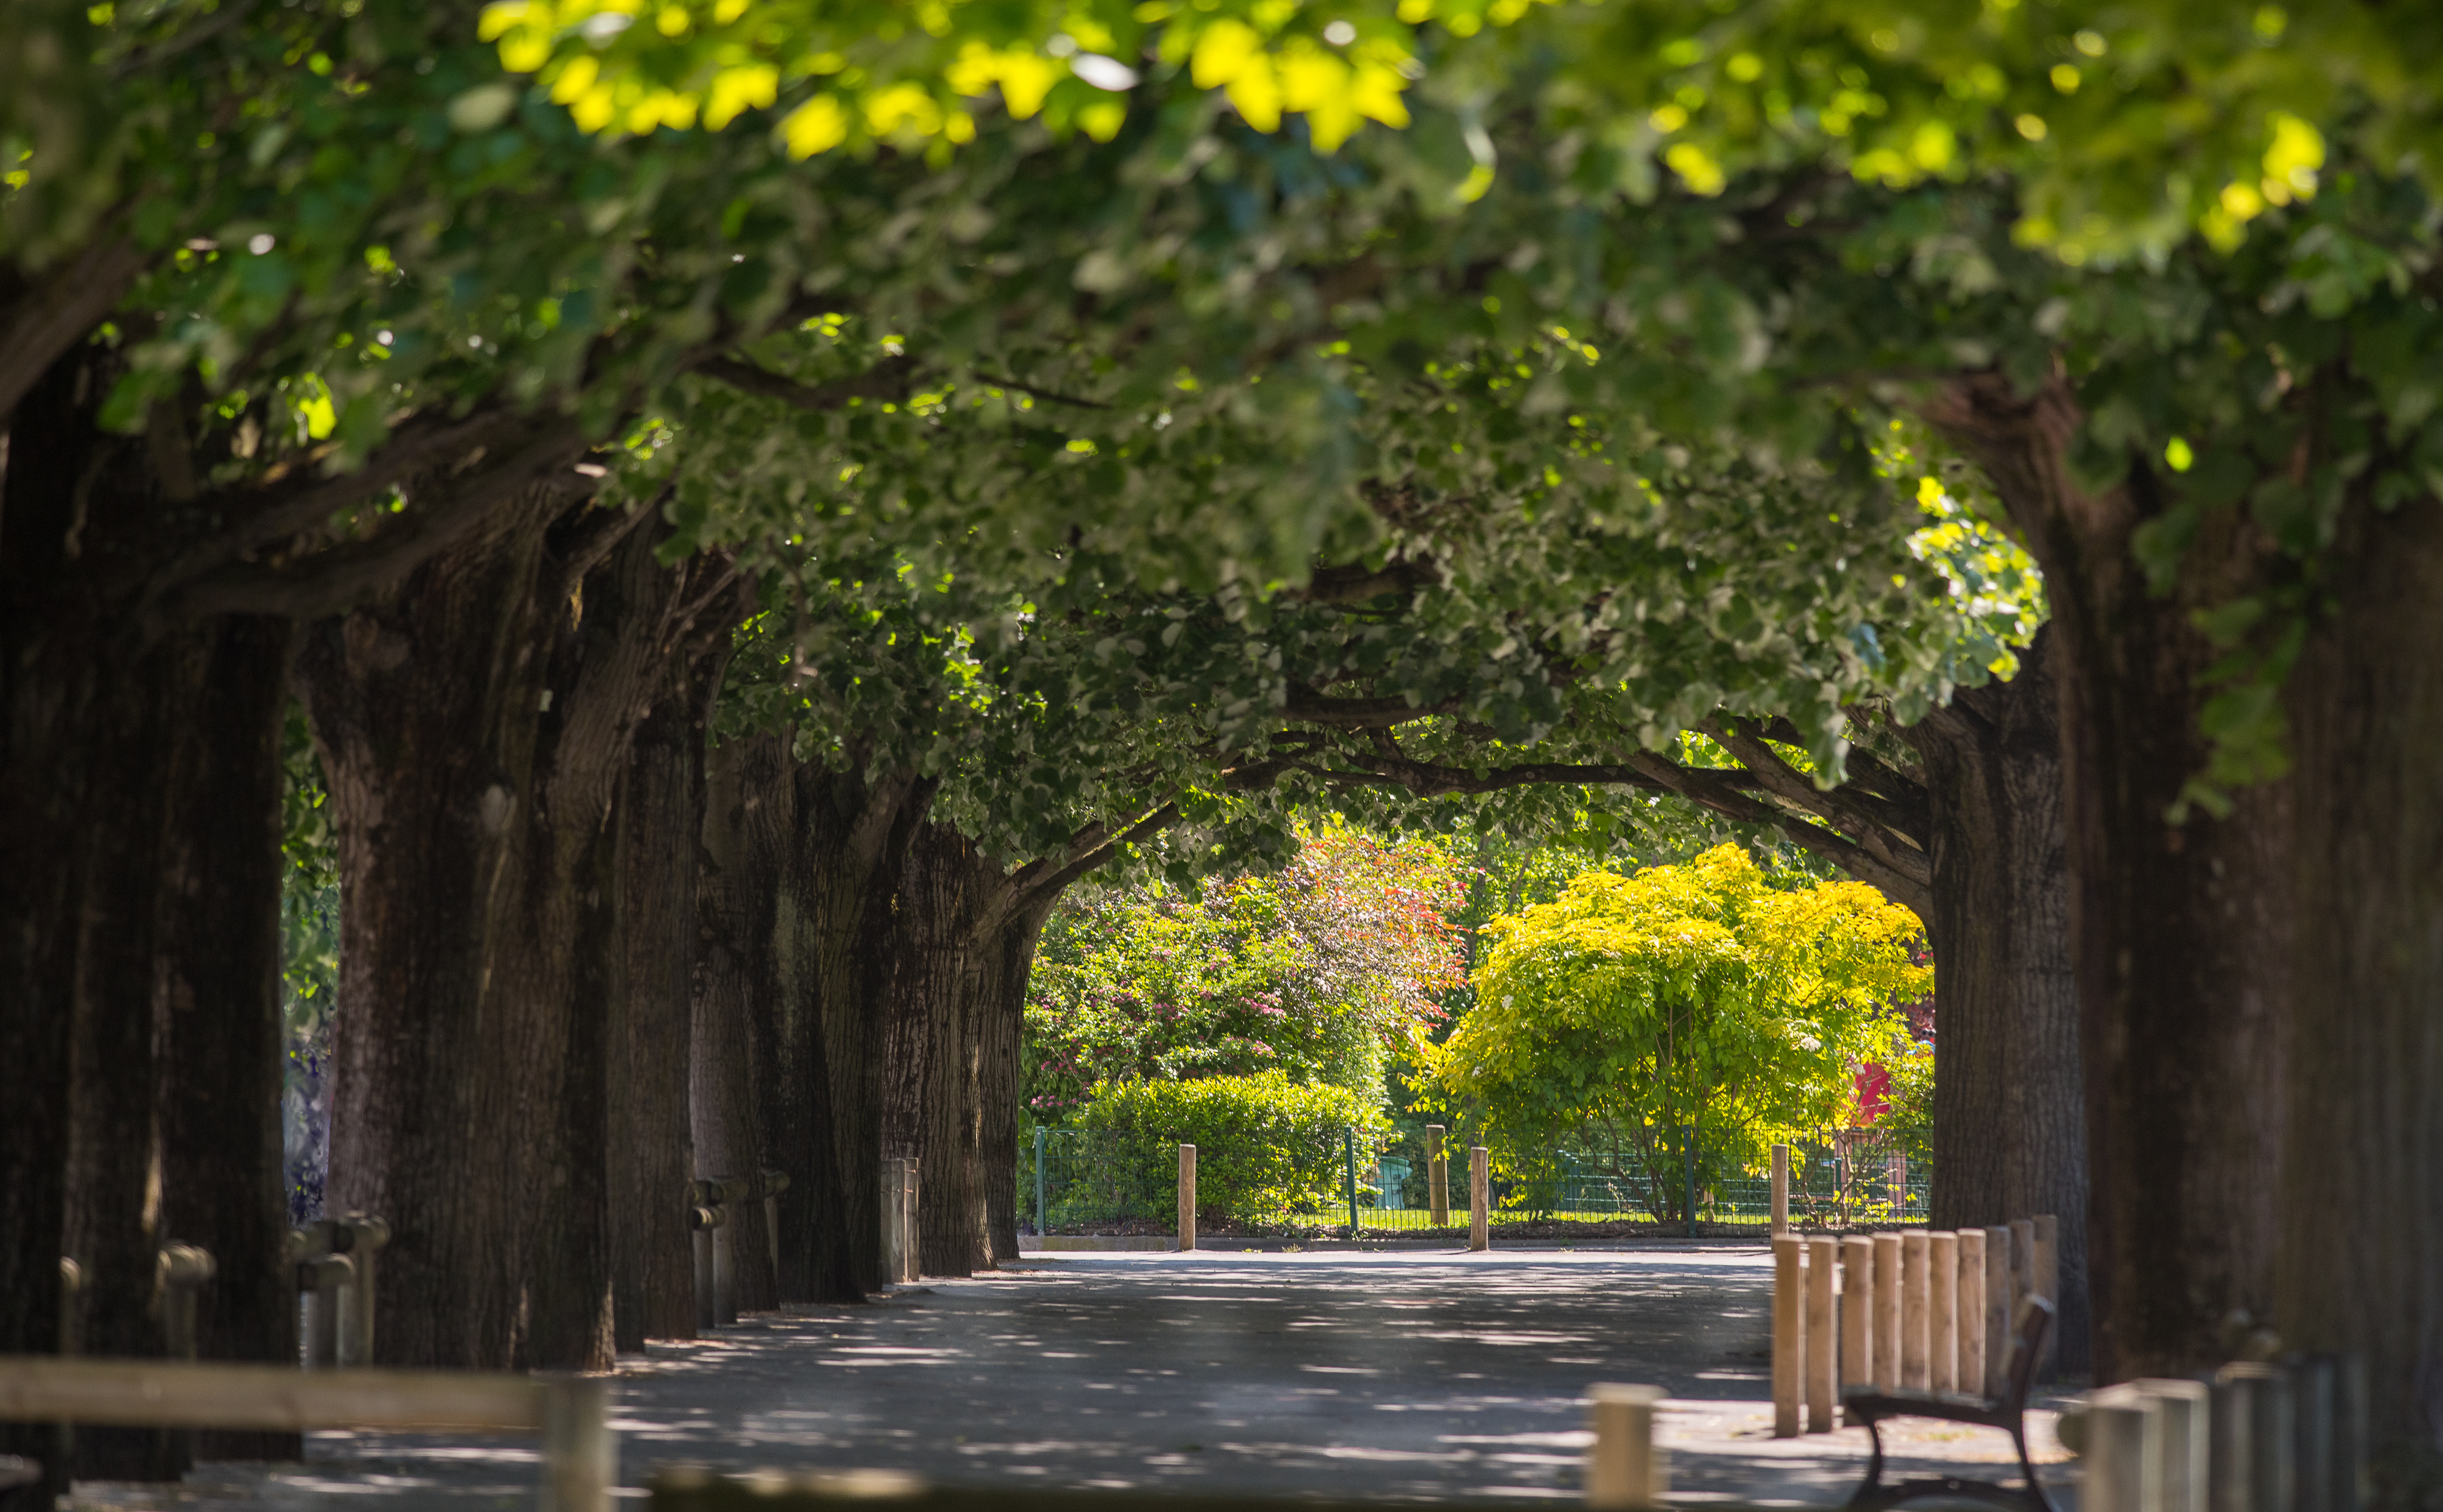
[1408, 1375]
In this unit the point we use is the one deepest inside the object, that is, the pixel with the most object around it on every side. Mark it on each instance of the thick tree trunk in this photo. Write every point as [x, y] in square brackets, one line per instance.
[748, 828]
[217, 1005]
[935, 966]
[660, 819]
[2360, 1265]
[425, 708]
[2010, 1120]
[2180, 931]
[825, 1112]
[1001, 1000]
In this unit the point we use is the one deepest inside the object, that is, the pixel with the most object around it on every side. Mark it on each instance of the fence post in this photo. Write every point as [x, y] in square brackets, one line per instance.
[1999, 1305]
[1789, 1333]
[1039, 1221]
[180, 1271]
[1480, 1182]
[1942, 1310]
[1780, 1188]
[1970, 1294]
[1916, 1365]
[1823, 1351]
[1437, 1176]
[1858, 1303]
[363, 1237]
[725, 1253]
[1624, 1471]
[703, 1218]
[1352, 1185]
[1688, 1166]
[320, 1278]
[1888, 1311]
[1186, 1196]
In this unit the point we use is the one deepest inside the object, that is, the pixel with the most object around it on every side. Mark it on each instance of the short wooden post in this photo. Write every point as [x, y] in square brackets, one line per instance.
[320, 1278]
[180, 1271]
[1437, 1176]
[724, 1255]
[1789, 1333]
[1999, 1309]
[1942, 1310]
[580, 1458]
[893, 1209]
[2045, 1277]
[1823, 1351]
[2182, 1410]
[1970, 1294]
[1916, 1369]
[361, 1238]
[2022, 1263]
[1781, 1189]
[1858, 1304]
[774, 1182]
[1479, 1197]
[1186, 1196]
[2123, 1455]
[1624, 1471]
[1888, 1311]
[2252, 1440]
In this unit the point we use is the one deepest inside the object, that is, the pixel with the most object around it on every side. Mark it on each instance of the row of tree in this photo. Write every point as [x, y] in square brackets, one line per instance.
[1038, 477]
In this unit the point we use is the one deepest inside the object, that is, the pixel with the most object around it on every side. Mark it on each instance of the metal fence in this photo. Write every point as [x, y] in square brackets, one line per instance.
[1080, 1182]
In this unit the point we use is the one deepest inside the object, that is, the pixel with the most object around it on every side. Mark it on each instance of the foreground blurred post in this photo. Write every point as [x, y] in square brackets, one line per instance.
[1624, 1471]
[1858, 1304]
[1916, 1367]
[1823, 1351]
[1942, 1311]
[1970, 1294]
[2000, 1307]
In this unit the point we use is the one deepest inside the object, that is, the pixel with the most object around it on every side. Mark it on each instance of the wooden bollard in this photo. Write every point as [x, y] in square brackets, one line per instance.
[2023, 1262]
[1781, 1189]
[1823, 1351]
[1789, 1333]
[2182, 1413]
[1888, 1311]
[1186, 1196]
[1916, 1369]
[2044, 1279]
[2123, 1452]
[361, 1238]
[1858, 1303]
[1479, 1198]
[725, 1253]
[1971, 1300]
[1624, 1471]
[2000, 1306]
[180, 1271]
[892, 1207]
[1942, 1311]
[1437, 1176]
[320, 1278]
[2252, 1440]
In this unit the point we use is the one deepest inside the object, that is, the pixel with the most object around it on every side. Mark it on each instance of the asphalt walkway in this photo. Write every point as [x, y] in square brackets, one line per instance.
[1403, 1375]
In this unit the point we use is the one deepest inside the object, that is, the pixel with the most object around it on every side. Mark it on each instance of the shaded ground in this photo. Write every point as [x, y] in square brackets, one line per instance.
[1404, 1374]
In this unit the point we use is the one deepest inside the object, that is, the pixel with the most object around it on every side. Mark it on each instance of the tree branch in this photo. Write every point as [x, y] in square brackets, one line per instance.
[890, 379]
[61, 309]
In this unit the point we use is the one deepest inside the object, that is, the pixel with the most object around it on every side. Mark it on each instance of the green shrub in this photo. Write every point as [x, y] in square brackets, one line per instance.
[1264, 1145]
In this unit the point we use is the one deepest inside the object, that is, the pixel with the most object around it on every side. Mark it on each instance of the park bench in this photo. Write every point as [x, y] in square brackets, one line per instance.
[2008, 1412]
[580, 1457]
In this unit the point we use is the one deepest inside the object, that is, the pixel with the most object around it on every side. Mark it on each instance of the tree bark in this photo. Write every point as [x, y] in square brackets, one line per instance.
[660, 820]
[2180, 931]
[217, 1025]
[1001, 1000]
[2360, 1267]
[935, 957]
[2009, 1122]
[748, 828]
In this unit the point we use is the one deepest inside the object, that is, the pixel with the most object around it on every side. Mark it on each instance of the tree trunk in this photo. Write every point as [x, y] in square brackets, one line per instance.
[2180, 931]
[749, 828]
[1001, 1001]
[217, 1024]
[2360, 1265]
[935, 959]
[660, 821]
[824, 1113]
[2010, 1120]
[424, 707]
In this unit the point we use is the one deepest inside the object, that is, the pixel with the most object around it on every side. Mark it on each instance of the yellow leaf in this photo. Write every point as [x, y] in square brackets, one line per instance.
[1256, 94]
[574, 78]
[816, 126]
[1224, 52]
[736, 89]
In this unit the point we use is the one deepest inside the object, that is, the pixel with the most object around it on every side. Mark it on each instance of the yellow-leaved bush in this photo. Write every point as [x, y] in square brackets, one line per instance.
[1710, 995]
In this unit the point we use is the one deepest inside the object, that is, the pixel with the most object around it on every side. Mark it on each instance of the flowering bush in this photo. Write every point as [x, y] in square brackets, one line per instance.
[1313, 971]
